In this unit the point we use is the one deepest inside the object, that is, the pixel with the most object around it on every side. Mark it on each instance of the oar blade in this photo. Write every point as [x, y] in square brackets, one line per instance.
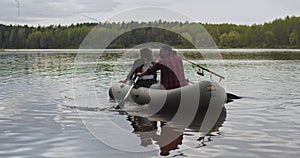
[121, 104]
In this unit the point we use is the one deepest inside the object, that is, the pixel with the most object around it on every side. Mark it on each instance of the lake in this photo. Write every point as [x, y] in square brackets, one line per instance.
[54, 103]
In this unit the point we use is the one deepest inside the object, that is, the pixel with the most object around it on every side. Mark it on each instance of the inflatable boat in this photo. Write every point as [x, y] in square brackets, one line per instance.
[194, 96]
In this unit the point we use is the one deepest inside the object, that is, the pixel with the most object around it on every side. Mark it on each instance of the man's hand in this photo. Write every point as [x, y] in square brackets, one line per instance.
[139, 74]
[122, 81]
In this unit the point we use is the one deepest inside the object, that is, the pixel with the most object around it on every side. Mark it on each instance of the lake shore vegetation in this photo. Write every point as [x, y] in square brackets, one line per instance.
[279, 33]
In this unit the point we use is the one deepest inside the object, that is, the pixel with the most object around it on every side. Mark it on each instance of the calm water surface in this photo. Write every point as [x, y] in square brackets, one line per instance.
[56, 105]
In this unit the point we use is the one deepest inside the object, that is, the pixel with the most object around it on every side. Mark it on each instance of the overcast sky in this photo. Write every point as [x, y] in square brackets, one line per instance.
[46, 12]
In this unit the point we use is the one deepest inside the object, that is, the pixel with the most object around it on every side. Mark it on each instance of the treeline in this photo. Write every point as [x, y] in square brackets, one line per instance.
[280, 33]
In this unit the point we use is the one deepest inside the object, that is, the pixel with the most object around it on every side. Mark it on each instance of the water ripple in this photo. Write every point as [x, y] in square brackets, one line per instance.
[39, 117]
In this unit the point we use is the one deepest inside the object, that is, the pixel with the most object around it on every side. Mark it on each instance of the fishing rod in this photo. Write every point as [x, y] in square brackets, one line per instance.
[87, 17]
[204, 69]
[230, 96]
[199, 72]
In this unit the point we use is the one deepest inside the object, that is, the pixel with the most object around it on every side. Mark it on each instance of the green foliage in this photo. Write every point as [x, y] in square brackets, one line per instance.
[280, 33]
[293, 39]
[269, 39]
[34, 39]
[233, 39]
[150, 34]
[286, 55]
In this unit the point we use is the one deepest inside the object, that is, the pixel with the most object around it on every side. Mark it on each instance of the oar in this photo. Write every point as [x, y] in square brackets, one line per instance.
[203, 68]
[122, 102]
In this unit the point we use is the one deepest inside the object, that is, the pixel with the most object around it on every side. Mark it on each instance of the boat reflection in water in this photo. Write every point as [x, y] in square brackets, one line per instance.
[168, 134]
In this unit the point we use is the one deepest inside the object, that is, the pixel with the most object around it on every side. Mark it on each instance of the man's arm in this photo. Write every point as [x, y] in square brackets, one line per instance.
[137, 63]
[151, 70]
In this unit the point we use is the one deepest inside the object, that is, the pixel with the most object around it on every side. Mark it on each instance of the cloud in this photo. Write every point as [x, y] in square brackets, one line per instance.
[46, 12]
[149, 13]
[237, 11]
[158, 3]
[55, 10]
[287, 4]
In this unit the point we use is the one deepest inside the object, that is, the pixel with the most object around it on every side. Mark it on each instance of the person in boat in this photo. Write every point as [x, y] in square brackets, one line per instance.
[143, 63]
[171, 69]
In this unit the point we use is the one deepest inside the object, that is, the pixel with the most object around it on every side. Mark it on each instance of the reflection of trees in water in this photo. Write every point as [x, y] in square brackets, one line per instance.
[170, 137]
[38, 63]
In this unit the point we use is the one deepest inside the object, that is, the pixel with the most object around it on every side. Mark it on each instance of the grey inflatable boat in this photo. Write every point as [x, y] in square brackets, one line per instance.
[195, 96]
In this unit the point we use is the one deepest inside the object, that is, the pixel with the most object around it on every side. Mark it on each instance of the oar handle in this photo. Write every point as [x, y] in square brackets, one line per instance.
[134, 82]
[121, 104]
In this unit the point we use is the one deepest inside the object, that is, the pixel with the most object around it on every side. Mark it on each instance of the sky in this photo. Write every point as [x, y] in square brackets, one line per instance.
[65, 12]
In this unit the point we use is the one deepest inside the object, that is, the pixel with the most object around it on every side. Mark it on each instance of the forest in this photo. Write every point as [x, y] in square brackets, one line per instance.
[279, 33]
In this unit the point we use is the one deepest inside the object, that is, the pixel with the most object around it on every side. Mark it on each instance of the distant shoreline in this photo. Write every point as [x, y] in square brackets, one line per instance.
[191, 54]
[276, 34]
[180, 50]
